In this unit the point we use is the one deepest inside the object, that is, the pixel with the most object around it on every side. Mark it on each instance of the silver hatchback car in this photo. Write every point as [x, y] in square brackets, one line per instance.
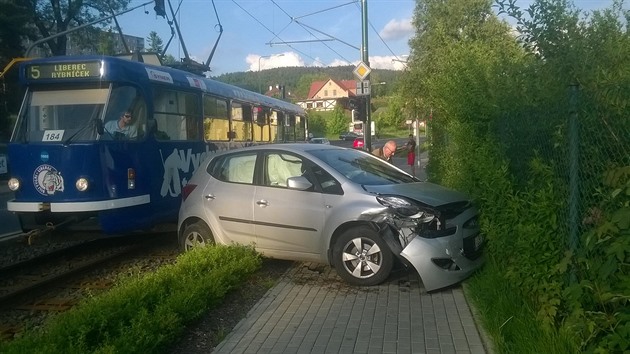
[333, 205]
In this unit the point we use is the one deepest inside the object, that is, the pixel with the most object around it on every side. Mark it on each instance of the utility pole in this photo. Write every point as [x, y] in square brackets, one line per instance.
[367, 132]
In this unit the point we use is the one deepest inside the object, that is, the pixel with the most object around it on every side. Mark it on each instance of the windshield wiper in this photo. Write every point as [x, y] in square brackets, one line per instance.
[94, 122]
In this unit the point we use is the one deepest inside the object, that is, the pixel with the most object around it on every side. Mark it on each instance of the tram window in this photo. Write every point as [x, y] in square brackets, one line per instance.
[242, 121]
[273, 122]
[262, 129]
[60, 114]
[216, 123]
[176, 115]
[122, 100]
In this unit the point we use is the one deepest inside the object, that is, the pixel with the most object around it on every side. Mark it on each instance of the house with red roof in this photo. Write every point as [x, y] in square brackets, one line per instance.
[325, 95]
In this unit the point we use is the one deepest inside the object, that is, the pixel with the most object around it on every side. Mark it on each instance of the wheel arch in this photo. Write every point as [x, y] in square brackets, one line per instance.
[189, 221]
[343, 228]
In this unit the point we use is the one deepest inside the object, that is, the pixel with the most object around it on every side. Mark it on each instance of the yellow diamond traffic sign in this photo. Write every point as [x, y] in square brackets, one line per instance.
[362, 71]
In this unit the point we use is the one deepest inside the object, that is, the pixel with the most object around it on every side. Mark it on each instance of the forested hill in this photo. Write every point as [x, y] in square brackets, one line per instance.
[297, 80]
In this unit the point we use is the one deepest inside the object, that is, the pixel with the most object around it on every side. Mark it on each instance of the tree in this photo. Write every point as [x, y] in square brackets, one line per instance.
[50, 17]
[338, 122]
[155, 43]
[106, 43]
[14, 17]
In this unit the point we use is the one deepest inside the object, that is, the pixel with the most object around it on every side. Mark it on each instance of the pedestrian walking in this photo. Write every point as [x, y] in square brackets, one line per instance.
[411, 154]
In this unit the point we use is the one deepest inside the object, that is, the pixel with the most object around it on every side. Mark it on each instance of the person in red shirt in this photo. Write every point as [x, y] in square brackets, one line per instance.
[411, 154]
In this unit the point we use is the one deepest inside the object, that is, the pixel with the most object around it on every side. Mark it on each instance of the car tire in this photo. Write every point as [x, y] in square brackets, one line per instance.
[197, 234]
[361, 257]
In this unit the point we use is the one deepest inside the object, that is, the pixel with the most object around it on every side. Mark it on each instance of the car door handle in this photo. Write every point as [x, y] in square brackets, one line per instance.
[210, 196]
[262, 203]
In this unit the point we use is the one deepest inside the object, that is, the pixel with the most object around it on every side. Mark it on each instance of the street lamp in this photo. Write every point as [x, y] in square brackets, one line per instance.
[265, 56]
[378, 84]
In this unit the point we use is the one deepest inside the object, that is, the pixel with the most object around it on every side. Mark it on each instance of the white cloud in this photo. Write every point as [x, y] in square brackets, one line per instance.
[293, 59]
[273, 61]
[397, 29]
[387, 62]
[317, 63]
[339, 62]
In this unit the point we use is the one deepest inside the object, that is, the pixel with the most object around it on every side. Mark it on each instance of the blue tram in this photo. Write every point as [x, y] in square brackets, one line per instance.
[107, 143]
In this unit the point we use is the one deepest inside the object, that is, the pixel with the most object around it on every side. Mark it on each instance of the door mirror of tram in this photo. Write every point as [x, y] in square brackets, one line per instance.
[98, 124]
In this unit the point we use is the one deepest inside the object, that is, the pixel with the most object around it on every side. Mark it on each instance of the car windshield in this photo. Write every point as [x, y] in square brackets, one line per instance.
[362, 168]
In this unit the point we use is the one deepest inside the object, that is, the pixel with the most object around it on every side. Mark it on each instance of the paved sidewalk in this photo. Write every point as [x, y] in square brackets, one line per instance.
[311, 310]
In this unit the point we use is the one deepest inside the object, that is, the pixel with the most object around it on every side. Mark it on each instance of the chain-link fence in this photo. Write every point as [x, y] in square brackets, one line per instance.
[580, 141]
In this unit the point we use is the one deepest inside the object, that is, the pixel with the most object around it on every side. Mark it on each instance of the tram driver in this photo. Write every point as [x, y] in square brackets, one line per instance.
[122, 128]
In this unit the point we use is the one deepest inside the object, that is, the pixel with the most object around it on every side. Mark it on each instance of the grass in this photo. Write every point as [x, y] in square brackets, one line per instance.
[507, 318]
[148, 312]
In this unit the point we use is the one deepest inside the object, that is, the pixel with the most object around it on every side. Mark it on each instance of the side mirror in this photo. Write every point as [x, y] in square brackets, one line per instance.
[299, 183]
[98, 124]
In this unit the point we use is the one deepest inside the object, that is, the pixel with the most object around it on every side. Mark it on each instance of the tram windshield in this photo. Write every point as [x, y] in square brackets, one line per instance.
[71, 115]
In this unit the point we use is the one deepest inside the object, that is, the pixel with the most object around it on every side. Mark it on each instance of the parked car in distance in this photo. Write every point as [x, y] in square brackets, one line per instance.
[319, 141]
[347, 136]
[332, 205]
[358, 143]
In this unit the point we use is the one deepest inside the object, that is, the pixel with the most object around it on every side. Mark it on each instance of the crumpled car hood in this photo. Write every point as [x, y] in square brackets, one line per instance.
[429, 193]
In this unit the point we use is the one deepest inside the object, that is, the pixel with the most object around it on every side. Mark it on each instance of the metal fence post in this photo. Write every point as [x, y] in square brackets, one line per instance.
[573, 167]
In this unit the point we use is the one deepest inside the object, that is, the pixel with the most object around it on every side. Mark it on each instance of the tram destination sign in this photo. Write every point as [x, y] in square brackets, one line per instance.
[68, 70]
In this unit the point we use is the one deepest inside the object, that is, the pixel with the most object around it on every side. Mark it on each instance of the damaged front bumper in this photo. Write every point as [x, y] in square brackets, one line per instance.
[442, 256]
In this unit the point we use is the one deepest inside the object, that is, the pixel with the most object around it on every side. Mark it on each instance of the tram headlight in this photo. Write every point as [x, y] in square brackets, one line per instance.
[82, 184]
[14, 184]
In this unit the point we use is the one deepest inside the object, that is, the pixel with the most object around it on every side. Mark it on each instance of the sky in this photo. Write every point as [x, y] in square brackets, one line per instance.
[265, 34]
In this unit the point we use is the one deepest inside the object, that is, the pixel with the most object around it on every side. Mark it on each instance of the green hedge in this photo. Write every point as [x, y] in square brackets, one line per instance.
[146, 314]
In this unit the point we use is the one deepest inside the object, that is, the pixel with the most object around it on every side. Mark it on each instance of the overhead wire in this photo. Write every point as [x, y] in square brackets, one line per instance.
[382, 40]
[272, 32]
[304, 26]
[310, 30]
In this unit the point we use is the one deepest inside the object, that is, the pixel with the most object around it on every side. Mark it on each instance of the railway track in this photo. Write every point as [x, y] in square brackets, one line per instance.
[32, 289]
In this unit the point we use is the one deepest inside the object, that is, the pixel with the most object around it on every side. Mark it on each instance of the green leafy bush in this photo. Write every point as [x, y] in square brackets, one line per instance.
[145, 314]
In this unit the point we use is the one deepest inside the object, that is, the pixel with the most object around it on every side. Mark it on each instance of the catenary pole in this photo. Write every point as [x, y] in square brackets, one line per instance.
[367, 132]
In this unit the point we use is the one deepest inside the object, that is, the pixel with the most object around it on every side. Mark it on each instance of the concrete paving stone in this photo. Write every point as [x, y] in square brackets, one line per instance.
[432, 343]
[458, 334]
[431, 333]
[322, 314]
[477, 349]
[351, 349]
[447, 349]
[404, 334]
[404, 347]
[390, 347]
[291, 350]
[445, 339]
[461, 344]
[390, 337]
[318, 350]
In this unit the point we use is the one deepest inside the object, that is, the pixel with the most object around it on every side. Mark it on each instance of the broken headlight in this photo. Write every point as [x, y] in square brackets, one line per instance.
[405, 208]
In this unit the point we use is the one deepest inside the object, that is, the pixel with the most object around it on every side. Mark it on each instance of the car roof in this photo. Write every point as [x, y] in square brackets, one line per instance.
[292, 147]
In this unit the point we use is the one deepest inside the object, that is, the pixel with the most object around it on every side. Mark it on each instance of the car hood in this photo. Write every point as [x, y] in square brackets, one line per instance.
[425, 192]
